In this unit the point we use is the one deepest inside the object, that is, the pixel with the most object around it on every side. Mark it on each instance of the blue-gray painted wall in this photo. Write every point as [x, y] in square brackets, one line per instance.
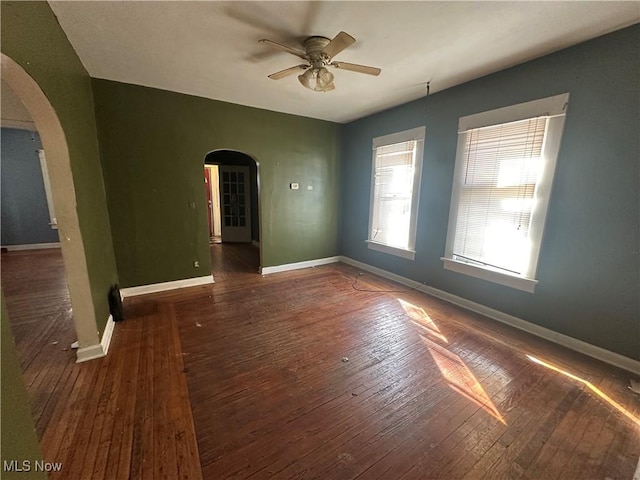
[589, 264]
[25, 215]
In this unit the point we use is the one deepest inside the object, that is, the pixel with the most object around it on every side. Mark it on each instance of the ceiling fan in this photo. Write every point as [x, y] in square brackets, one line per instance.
[319, 53]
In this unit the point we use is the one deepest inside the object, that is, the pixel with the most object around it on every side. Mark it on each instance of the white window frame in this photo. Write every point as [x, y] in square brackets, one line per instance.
[417, 135]
[555, 109]
[53, 222]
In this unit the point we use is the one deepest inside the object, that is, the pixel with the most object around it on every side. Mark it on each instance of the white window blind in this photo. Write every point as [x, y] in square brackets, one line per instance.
[505, 162]
[500, 172]
[393, 193]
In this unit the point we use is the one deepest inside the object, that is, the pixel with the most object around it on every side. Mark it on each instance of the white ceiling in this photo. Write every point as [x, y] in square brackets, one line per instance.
[210, 49]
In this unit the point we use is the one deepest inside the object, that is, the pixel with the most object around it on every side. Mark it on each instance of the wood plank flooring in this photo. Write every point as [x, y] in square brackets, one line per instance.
[321, 373]
[429, 391]
[123, 416]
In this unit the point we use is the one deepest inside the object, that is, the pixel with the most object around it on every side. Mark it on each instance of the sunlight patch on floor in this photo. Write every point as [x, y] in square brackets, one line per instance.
[451, 366]
[589, 385]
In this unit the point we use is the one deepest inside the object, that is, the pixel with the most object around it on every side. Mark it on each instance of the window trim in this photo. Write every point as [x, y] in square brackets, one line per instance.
[417, 135]
[384, 248]
[555, 108]
[53, 221]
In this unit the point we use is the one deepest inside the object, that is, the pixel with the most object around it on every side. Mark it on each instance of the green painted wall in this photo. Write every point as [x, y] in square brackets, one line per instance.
[18, 441]
[589, 266]
[153, 144]
[32, 37]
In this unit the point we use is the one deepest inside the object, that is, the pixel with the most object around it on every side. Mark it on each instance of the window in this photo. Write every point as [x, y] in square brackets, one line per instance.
[395, 188]
[502, 181]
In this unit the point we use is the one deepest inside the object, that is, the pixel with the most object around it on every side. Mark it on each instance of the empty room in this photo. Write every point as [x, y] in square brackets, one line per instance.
[320, 240]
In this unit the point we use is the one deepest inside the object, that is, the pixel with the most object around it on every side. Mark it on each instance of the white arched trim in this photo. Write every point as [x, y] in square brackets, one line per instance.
[64, 198]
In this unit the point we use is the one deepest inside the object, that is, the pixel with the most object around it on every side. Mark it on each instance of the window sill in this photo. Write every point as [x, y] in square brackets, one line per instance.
[501, 278]
[398, 252]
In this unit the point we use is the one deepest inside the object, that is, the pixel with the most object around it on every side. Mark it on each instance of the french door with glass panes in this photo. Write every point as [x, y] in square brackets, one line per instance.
[234, 203]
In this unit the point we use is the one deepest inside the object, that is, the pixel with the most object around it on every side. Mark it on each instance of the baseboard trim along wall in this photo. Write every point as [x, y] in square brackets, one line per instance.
[164, 286]
[97, 351]
[107, 334]
[298, 265]
[31, 246]
[585, 348]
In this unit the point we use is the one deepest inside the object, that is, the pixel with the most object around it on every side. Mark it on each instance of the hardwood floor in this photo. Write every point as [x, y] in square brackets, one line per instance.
[39, 308]
[123, 416]
[321, 373]
[428, 390]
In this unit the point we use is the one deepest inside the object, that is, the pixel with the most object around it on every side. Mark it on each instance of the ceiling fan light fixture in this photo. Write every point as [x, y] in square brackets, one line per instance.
[319, 52]
[317, 79]
[324, 78]
[328, 88]
[307, 78]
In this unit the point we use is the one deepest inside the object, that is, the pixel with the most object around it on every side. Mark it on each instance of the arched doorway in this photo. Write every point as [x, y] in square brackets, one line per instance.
[63, 194]
[233, 197]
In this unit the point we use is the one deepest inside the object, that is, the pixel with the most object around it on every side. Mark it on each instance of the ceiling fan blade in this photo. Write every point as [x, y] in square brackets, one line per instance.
[279, 46]
[338, 44]
[287, 71]
[354, 67]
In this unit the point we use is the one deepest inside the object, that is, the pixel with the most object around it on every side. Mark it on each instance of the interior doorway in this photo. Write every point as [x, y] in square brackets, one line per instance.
[229, 206]
[232, 188]
[58, 162]
[31, 264]
[233, 192]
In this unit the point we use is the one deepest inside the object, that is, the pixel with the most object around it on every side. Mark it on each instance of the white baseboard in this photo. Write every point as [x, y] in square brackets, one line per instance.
[107, 334]
[255, 244]
[295, 266]
[32, 246]
[100, 350]
[585, 348]
[89, 353]
[164, 286]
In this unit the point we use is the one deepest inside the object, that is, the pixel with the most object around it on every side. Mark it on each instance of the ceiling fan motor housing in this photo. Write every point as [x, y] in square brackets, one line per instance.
[314, 47]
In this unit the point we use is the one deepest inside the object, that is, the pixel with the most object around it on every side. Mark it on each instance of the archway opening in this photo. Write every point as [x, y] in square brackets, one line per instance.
[232, 186]
[63, 198]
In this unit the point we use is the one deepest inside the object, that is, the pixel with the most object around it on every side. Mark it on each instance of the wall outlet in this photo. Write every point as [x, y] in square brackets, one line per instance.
[196, 264]
[309, 187]
[294, 186]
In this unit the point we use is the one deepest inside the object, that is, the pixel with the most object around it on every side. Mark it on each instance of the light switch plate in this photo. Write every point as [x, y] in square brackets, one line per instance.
[295, 186]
